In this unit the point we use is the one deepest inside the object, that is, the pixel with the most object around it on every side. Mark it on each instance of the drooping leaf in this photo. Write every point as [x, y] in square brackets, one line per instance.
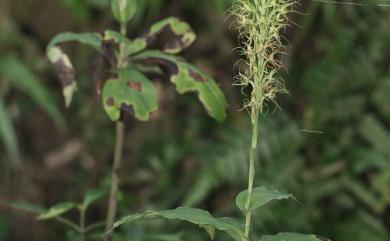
[65, 72]
[188, 78]
[92, 196]
[91, 39]
[170, 35]
[56, 210]
[195, 216]
[132, 92]
[62, 63]
[8, 135]
[260, 196]
[293, 237]
[20, 77]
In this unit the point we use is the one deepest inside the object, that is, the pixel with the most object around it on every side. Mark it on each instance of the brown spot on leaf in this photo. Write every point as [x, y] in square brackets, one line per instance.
[196, 76]
[65, 73]
[165, 39]
[110, 101]
[166, 65]
[127, 108]
[134, 85]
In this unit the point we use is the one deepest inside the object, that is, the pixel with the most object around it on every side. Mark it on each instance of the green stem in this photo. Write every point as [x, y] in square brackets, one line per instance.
[82, 224]
[112, 202]
[120, 127]
[251, 175]
[68, 223]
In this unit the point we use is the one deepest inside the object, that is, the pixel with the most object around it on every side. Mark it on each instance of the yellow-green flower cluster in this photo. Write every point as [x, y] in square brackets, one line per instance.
[260, 23]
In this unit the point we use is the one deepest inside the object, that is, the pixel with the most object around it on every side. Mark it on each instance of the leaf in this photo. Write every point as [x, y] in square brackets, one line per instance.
[165, 237]
[92, 196]
[196, 216]
[293, 237]
[22, 78]
[62, 63]
[169, 35]
[132, 92]
[91, 39]
[188, 78]
[56, 210]
[27, 207]
[8, 135]
[260, 197]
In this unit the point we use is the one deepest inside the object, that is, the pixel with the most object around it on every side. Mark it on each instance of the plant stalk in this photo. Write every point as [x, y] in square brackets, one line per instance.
[251, 174]
[112, 201]
[120, 127]
[82, 224]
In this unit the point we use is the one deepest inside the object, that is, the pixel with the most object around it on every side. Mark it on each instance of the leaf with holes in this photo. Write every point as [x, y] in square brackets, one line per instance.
[188, 78]
[131, 92]
[293, 237]
[56, 210]
[195, 216]
[260, 197]
[62, 63]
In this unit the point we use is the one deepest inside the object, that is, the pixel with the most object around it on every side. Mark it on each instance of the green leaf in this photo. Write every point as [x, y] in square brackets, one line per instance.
[132, 92]
[170, 35]
[93, 40]
[188, 78]
[20, 77]
[195, 216]
[62, 63]
[56, 210]
[8, 135]
[165, 237]
[260, 197]
[293, 237]
[27, 207]
[123, 10]
[92, 196]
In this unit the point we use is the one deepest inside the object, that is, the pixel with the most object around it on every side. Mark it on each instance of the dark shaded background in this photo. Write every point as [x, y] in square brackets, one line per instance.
[338, 75]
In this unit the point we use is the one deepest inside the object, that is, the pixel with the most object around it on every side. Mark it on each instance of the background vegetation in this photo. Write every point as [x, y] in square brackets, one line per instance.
[329, 145]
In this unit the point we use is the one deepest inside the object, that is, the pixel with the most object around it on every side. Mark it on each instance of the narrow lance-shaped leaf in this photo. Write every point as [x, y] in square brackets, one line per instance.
[169, 35]
[196, 216]
[22, 78]
[260, 196]
[56, 210]
[8, 135]
[62, 63]
[92, 196]
[188, 78]
[293, 237]
[131, 92]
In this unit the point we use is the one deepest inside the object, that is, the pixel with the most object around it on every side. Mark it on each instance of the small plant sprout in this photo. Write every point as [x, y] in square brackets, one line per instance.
[129, 89]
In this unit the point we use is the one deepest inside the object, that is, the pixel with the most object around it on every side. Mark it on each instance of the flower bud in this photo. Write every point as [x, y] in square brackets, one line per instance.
[123, 10]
